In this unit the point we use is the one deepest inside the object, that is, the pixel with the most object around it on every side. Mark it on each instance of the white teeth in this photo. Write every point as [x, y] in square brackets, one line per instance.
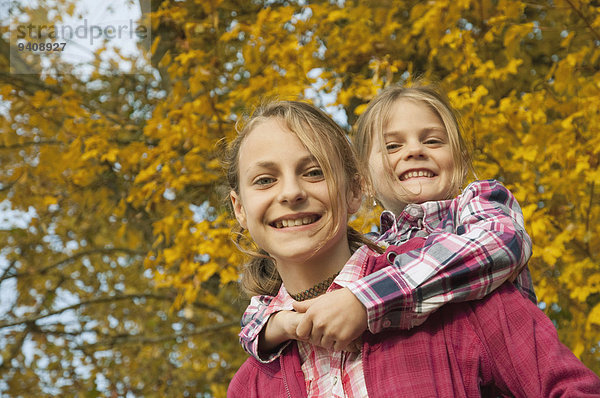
[415, 174]
[294, 222]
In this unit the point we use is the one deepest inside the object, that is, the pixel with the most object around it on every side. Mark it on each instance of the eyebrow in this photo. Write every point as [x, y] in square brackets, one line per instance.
[263, 164]
[308, 159]
[423, 130]
[267, 164]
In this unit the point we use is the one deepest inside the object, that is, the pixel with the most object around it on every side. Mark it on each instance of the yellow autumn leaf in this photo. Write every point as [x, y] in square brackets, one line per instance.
[110, 156]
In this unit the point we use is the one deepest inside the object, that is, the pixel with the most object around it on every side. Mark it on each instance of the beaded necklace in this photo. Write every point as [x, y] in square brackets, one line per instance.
[316, 290]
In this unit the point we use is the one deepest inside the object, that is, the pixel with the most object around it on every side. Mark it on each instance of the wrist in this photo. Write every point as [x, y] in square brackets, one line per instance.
[274, 333]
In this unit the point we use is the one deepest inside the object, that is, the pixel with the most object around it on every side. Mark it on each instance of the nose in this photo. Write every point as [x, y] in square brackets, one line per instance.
[292, 191]
[414, 150]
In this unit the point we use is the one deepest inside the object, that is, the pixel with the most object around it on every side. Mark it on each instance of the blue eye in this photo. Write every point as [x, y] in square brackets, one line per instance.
[392, 147]
[264, 181]
[434, 141]
[314, 173]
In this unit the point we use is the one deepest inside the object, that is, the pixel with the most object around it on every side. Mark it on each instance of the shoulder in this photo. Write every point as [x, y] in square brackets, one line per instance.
[481, 187]
[251, 368]
[249, 377]
[505, 315]
[486, 191]
[486, 312]
[507, 300]
[261, 300]
[281, 301]
[238, 385]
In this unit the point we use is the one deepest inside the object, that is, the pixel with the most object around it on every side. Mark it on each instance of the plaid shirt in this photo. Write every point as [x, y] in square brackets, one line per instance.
[474, 243]
[330, 373]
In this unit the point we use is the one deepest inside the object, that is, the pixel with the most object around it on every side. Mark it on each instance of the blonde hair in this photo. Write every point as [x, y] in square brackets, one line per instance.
[378, 114]
[328, 143]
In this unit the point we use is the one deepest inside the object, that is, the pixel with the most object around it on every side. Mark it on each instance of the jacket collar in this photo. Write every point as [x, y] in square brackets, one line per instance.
[426, 216]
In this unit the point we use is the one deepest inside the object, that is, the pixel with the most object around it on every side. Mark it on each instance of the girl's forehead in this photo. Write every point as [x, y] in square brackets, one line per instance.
[271, 144]
[417, 111]
[409, 102]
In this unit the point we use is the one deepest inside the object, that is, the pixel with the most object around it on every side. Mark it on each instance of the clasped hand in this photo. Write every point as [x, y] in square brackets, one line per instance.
[333, 321]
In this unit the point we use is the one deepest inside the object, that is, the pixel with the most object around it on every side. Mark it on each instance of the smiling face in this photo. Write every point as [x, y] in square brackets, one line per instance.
[414, 164]
[283, 199]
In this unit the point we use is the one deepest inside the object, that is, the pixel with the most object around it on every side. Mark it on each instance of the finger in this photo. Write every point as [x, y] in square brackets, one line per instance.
[340, 345]
[316, 336]
[302, 306]
[304, 328]
[294, 319]
[299, 306]
[327, 342]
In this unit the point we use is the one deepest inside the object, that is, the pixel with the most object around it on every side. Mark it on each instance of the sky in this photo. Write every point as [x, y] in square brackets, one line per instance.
[79, 33]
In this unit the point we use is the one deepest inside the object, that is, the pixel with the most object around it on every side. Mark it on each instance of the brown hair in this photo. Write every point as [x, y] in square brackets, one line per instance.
[328, 143]
[378, 115]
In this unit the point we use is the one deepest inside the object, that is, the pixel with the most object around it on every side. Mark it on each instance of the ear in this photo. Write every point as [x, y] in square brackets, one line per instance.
[238, 209]
[355, 198]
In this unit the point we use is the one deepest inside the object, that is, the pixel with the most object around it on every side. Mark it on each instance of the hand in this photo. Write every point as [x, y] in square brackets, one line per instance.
[280, 327]
[287, 322]
[333, 320]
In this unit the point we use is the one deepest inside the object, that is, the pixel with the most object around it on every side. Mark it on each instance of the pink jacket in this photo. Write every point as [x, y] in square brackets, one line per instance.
[501, 345]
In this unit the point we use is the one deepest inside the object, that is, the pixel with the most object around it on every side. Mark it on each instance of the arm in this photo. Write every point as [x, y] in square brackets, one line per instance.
[480, 244]
[280, 328]
[264, 329]
[333, 321]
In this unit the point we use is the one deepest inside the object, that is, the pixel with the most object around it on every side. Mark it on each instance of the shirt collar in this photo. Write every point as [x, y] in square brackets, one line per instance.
[354, 268]
[430, 214]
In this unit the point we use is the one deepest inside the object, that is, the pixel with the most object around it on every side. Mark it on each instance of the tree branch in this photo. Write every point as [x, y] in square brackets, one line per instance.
[584, 19]
[133, 339]
[576, 243]
[16, 348]
[588, 215]
[75, 257]
[31, 143]
[93, 301]
[106, 299]
[7, 270]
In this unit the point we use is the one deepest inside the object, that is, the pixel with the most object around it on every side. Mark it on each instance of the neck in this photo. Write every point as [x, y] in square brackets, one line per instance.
[298, 276]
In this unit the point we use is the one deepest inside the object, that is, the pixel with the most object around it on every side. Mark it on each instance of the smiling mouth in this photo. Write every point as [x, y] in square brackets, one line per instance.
[416, 174]
[295, 222]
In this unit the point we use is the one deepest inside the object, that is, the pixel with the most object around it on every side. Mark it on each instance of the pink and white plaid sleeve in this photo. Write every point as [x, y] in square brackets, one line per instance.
[479, 243]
